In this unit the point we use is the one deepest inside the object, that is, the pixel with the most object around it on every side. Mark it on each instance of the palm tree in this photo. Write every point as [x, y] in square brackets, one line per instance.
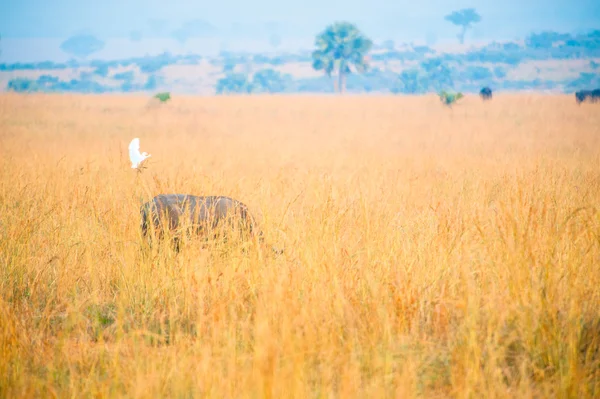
[339, 47]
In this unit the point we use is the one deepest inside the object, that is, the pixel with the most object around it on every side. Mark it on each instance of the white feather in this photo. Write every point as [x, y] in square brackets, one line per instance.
[134, 153]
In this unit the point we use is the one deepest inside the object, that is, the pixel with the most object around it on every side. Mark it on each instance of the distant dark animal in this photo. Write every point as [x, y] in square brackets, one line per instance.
[583, 95]
[211, 217]
[486, 93]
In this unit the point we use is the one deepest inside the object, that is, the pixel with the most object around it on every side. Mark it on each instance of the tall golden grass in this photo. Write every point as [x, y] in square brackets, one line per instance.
[429, 251]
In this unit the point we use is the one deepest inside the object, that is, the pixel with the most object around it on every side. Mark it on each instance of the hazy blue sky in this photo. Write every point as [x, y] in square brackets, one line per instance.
[114, 18]
[401, 20]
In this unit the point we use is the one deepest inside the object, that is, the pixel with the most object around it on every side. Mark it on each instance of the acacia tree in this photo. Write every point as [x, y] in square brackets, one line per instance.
[341, 47]
[463, 18]
[82, 45]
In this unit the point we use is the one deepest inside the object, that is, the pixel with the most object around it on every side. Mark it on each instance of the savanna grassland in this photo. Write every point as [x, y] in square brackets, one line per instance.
[429, 251]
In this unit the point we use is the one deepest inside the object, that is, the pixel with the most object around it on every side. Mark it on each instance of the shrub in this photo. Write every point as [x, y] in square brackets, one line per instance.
[450, 98]
[22, 85]
[234, 83]
[163, 97]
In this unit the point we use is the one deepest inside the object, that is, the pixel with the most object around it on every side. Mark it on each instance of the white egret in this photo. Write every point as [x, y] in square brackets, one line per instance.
[134, 153]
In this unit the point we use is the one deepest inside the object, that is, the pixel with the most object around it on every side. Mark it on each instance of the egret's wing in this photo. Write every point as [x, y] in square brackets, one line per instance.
[135, 144]
[134, 152]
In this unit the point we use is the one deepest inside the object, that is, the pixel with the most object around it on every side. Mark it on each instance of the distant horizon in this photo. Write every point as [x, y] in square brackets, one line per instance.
[30, 28]
[15, 50]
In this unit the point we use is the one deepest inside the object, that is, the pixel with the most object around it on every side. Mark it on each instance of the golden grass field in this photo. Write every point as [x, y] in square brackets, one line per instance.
[429, 251]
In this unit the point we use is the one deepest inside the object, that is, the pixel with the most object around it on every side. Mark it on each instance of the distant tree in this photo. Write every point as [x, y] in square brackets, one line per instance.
[339, 47]
[46, 83]
[510, 46]
[584, 81]
[261, 59]
[545, 40]
[247, 64]
[128, 86]
[464, 18]
[46, 80]
[478, 73]
[229, 65]
[422, 49]
[438, 76]
[234, 83]
[409, 82]
[86, 76]
[595, 34]
[151, 64]
[102, 70]
[500, 72]
[82, 46]
[269, 81]
[22, 85]
[151, 82]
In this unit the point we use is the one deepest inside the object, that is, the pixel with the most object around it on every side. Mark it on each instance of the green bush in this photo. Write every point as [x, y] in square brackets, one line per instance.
[234, 83]
[450, 98]
[23, 85]
[163, 97]
[270, 81]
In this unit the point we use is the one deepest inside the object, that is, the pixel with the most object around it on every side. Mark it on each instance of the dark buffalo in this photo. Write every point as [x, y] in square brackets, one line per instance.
[583, 95]
[486, 93]
[212, 216]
